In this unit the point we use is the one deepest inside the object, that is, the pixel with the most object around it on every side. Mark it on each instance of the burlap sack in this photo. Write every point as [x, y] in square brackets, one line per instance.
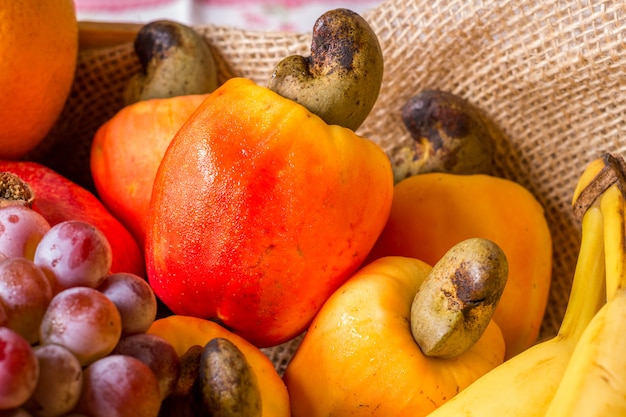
[549, 73]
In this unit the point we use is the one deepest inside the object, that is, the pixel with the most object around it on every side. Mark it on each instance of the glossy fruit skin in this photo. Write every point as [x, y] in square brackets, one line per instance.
[21, 229]
[432, 212]
[59, 384]
[38, 72]
[134, 299]
[126, 153]
[59, 199]
[184, 331]
[25, 293]
[119, 386]
[84, 321]
[359, 358]
[19, 369]
[74, 253]
[260, 210]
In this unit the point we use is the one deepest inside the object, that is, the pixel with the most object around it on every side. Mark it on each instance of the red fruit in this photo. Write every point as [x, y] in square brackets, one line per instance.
[19, 369]
[126, 153]
[260, 210]
[58, 199]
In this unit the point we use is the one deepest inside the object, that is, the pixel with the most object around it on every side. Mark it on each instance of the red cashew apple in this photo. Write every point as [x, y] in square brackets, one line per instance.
[260, 210]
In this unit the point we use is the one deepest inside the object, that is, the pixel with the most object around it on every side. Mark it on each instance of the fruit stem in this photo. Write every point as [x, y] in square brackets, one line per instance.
[15, 191]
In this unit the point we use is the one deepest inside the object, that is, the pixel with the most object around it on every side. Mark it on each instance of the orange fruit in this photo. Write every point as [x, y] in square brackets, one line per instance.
[39, 47]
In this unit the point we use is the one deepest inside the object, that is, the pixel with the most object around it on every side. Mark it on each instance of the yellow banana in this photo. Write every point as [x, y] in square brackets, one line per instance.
[594, 382]
[525, 384]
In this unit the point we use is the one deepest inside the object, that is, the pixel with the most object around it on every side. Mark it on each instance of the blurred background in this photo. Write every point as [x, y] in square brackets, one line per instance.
[267, 15]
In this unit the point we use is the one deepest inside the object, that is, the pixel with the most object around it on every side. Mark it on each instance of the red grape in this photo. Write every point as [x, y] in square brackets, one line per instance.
[74, 253]
[60, 382]
[134, 299]
[21, 229]
[158, 354]
[83, 320]
[119, 386]
[19, 369]
[24, 293]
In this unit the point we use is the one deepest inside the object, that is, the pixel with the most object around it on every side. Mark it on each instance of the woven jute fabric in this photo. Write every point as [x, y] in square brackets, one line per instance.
[550, 74]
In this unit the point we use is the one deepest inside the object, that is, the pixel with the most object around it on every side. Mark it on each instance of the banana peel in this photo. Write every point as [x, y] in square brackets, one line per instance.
[594, 382]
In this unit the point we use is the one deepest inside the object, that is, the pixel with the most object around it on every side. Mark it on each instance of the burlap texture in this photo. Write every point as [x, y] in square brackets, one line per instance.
[550, 74]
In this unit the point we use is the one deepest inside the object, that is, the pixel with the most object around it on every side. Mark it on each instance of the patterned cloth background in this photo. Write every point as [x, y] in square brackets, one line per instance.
[267, 15]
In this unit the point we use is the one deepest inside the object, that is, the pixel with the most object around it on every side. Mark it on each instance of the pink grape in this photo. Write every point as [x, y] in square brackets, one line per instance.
[19, 369]
[158, 354]
[119, 386]
[60, 382]
[84, 321]
[134, 299]
[24, 293]
[74, 253]
[21, 229]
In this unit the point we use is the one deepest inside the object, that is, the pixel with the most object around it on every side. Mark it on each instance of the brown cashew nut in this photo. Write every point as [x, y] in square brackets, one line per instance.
[449, 135]
[340, 80]
[216, 380]
[175, 61]
[456, 302]
[228, 384]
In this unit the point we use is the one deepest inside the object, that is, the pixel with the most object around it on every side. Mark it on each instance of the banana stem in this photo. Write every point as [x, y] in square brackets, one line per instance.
[586, 296]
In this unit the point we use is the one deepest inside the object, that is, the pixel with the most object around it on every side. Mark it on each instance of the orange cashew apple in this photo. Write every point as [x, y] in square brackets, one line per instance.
[359, 357]
[432, 212]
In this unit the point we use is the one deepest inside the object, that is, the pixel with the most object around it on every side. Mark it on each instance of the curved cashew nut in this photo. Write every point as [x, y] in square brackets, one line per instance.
[175, 60]
[457, 300]
[340, 80]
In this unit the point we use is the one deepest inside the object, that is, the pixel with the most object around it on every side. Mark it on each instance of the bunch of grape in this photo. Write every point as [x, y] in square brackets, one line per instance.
[73, 335]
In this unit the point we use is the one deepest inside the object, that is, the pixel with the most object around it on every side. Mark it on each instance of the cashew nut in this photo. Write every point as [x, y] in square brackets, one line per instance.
[175, 60]
[457, 300]
[340, 80]
[449, 135]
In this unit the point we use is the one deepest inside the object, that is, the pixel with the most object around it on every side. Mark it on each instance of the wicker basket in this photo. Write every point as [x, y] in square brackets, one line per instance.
[549, 73]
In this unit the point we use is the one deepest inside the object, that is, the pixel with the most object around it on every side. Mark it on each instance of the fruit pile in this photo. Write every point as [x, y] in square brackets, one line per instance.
[255, 216]
[560, 376]
[74, 337]
[63, 314]
[61, 309]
